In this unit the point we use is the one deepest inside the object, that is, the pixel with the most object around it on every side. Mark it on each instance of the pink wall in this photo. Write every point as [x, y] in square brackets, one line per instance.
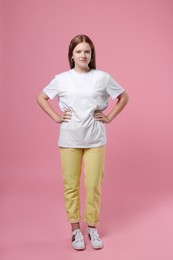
[133, 41]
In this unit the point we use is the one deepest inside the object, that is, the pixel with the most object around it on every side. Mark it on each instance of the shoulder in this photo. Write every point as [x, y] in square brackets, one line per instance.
[101, 74]
[63, 75]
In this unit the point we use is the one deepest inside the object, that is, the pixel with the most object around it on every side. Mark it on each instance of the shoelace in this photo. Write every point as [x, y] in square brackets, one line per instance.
[95, 235]
[78, 236]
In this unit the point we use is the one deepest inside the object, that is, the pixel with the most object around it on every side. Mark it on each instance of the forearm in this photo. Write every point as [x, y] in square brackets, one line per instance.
[118, 107]
[122, 102]
[44, 104]
[65, 116]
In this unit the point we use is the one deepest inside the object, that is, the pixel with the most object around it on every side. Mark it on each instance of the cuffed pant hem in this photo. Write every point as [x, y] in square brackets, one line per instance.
[92, 223]
[73, 221]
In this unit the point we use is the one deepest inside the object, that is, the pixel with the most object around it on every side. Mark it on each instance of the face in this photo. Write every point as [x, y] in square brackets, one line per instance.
[82, 57]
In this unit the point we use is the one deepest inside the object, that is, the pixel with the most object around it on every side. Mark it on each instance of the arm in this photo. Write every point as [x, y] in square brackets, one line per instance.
[42, 100]
[118, 107]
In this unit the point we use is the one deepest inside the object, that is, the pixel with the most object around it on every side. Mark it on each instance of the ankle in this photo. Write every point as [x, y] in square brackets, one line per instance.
[75, 226]
[91, 226]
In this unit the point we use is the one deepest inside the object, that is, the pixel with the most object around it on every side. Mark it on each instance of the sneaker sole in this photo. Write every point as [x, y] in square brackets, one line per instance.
[78, 249]
[96, 248]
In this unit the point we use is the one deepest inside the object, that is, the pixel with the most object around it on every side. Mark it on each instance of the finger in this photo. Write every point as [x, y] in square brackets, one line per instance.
[97, 111]
[65, 120]
[98, 115]
[67, 116]
[67, 111]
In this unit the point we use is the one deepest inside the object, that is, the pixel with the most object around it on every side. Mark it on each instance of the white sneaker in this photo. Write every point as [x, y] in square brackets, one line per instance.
[95, 240]
[78, 242]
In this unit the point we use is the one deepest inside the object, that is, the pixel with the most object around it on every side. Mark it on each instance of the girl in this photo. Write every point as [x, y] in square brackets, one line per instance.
[83, 93]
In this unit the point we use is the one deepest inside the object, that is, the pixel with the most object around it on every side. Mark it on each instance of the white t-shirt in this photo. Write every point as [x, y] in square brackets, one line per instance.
[82, 93]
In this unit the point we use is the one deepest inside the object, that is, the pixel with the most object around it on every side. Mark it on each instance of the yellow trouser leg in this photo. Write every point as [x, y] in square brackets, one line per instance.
[71, 160]
[94, 171]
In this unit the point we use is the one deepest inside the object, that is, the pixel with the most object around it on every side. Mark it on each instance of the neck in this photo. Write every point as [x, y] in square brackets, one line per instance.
[84, 70]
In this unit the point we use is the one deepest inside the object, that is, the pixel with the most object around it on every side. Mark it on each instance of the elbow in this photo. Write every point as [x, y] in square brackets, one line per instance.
[126, 97]
[41, 98]
[38, 99]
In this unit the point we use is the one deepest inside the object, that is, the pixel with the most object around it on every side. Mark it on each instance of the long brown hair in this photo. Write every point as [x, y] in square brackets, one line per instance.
[74, 42]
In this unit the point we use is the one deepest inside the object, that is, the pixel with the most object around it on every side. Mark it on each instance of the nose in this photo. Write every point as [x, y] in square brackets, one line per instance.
[83, 55]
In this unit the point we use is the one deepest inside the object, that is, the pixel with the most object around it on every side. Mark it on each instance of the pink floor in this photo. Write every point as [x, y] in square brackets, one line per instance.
[136, 224]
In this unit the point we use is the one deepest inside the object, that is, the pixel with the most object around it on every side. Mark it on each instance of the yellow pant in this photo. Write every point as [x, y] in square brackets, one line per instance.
[71, 159]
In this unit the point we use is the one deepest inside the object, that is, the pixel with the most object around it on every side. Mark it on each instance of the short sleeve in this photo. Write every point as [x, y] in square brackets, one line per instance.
[51, 90]
[113, 88]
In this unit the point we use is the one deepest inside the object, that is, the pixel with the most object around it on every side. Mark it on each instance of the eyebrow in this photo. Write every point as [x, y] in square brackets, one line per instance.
[83, 50]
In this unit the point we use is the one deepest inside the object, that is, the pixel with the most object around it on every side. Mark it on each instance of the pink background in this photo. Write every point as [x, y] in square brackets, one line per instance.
[133, 40]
